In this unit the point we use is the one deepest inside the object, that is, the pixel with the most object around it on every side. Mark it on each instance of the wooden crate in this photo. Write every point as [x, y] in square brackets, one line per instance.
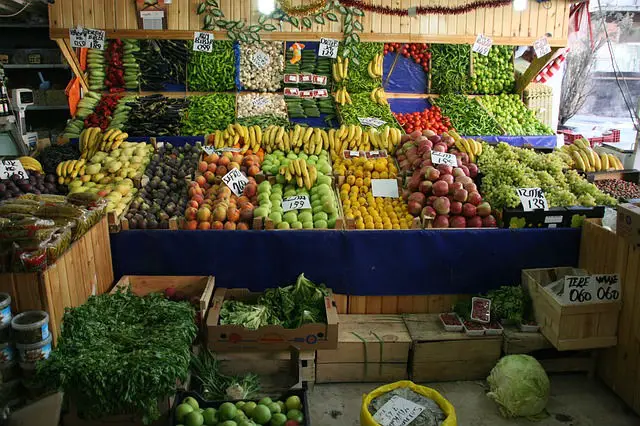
[602, 251]
[439, 356]
[570, 327]
[417, 304]
[371, 348]
[553, 361]
[85, 269]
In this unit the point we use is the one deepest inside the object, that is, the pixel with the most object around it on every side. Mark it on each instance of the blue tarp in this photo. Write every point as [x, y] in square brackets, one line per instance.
[407, 76]
[546, 141]
[404, 105]
[351, 262]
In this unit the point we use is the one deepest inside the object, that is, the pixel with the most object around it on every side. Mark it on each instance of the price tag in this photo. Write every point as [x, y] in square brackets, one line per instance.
[209, 150]
[95, 38]
[607, 287]
[306, 93]
[482, 45]
[577, 289]
[376, 154]
[445, 158]
[9, 168]
[350, 154]
[292, 91]
[260, 102]
[260, 59]
[320, 93]
[230, 149]
[295, 203]
[202, 42]
[305, 78]
[291, 78]
[532, 199]
[384, 188]
[236, 181]
[371, 121]
[78, 37]
[320, 80]
[397, 412]
[541, 46]
[328, 48]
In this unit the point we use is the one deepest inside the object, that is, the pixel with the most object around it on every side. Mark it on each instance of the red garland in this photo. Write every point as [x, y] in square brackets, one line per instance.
[428, 10]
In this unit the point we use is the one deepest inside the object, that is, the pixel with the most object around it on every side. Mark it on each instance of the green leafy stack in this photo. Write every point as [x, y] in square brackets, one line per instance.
[493, 74]
[212, 72]
[118, 353]
[291, 306]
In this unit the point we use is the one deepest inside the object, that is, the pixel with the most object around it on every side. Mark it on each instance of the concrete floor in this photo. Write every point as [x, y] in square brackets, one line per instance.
[575, 401]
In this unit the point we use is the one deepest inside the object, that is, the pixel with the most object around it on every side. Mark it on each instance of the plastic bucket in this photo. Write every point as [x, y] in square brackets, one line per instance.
[5, 309]
[33, 352]
[31, 327]
[7, 352]
[366, 418]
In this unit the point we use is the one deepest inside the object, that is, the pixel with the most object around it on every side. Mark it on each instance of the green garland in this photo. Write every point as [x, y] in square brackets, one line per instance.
[238, 30]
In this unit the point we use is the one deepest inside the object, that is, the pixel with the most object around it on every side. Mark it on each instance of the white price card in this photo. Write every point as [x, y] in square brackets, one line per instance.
[291, 78]
[577, 289]
[607, 287]
[350, 154]
[260, 59]
[202, 42]
[77, 36]
[9, 168]
[384, 188]
[236, 181]
[320, 93]
[376, 154]
[328, 47]
[305, 78]
[292, 91]
[260, 102]
[320, 80]
[209, 150]
[371, 121]
[445, 158]
[295, 203]
[482, 45]
[306, 93]
[541, 46]
[95, 38]
[397, 412]
[532, 199]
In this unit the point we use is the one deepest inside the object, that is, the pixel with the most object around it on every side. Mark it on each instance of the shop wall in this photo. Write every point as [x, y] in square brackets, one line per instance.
[503, 23]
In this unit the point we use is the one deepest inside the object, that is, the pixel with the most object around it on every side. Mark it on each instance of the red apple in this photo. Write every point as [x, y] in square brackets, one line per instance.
[475, 198]
[456, 208]
[468, 210]
[483, 209]
[457, 222]
[474, 222]
[489, 222]
[442, 205]
[441, 221]
[440, 188]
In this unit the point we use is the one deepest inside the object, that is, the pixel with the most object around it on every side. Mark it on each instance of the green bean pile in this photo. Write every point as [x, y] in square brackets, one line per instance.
[212, 72]
[359, 79]
[363, 107]
[208, 113]
[450, 68]
[467, 115]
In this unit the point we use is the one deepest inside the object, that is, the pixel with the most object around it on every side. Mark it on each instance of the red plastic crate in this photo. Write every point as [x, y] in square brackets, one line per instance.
[570, 137]
[612, 135]
[596, 141]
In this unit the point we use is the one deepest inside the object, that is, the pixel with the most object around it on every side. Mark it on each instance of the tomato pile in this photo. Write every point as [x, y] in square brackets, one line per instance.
[419, 52]
[429, 119]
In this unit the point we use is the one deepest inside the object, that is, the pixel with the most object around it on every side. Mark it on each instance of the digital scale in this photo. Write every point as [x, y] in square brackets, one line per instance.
[20, 100]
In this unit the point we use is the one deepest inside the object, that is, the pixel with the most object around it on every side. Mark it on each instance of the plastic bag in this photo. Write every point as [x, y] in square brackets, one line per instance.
[18, 205]
[59, 243]
[366, 418]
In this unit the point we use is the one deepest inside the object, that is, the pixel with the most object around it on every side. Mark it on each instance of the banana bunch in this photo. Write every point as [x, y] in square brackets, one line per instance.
[30, 163]
[310, 140]
[342, 96]
[375, 67]
[305, 175]
[354, 138]
[340, 69]
[112, 139]
[90, 140]
[471, 147]
[377, 95]
[69, 170]
[579, 155]
[237, 135]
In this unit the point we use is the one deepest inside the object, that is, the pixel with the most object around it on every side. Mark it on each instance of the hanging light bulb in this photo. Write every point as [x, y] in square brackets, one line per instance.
[266, 7]
[520, 5]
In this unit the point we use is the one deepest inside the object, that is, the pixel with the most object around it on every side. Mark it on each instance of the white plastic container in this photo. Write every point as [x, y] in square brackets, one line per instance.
[493, 331]
[450, 327]
[473, 333]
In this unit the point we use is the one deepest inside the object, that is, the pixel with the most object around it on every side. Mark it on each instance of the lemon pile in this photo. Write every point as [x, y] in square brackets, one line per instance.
[358, 202]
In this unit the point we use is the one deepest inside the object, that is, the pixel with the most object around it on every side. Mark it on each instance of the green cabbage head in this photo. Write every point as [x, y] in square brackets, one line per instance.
[519, 385]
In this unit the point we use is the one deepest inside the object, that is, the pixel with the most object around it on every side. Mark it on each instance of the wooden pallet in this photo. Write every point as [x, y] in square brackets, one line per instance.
[439, 356]
[371, 348]
[83, 270]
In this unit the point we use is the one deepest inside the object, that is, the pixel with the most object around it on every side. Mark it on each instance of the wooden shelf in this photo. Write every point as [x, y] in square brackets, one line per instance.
[33, 66]
[46, 107]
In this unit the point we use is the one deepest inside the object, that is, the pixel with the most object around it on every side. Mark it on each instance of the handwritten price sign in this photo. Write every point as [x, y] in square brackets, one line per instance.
[398, 412]
[445, 158]
[371, 121]
[9, 168]
[328, 47]
[202, 42]
[295, 203]
[577, 289]
[482, 45]
[532, 199]
[607, 287]
[87, 37]
[260, 59]
[236, 181]
[541, 47]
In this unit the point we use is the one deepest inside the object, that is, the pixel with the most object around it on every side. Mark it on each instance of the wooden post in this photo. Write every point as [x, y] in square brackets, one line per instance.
[72, 59]
[533, 70]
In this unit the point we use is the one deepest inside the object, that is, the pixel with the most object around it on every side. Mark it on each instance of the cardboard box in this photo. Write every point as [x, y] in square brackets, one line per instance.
[235, 338]
[628, 223]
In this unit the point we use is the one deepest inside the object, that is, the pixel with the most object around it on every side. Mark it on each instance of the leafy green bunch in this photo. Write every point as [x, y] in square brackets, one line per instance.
[119, 353]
